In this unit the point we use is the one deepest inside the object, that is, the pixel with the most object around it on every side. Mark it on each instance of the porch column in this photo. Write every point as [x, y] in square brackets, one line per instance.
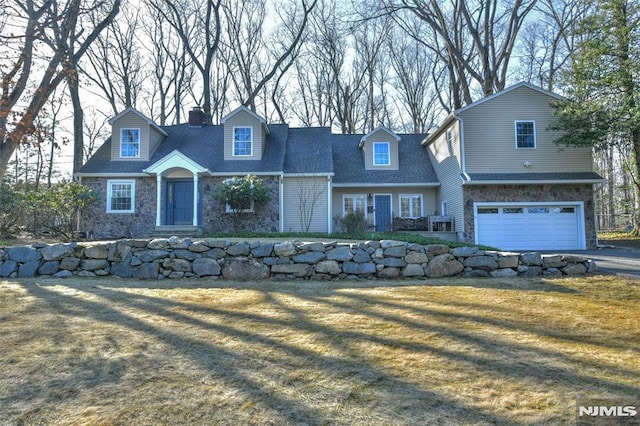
[195, 199]
[158, 199]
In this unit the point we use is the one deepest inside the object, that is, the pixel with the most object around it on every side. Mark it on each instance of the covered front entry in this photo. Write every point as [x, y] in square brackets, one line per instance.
[530, 226]
[178, 190]
[179, 202]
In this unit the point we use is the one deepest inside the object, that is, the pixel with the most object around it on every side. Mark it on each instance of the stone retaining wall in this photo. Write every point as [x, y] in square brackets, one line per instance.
[176, 258]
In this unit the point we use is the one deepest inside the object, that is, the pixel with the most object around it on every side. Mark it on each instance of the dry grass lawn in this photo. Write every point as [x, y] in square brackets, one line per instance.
[482, 351]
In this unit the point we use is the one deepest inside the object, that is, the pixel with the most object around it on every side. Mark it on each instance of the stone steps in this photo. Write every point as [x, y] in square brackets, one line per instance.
[182, 231]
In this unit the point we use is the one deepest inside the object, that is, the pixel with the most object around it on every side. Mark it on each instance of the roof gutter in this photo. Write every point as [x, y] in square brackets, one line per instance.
[532, 182]
[111, 175]
[385, 185]
[308, 174]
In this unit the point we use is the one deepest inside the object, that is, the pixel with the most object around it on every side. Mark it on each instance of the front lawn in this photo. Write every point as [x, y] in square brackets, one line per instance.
[463, 351]
[619, 239]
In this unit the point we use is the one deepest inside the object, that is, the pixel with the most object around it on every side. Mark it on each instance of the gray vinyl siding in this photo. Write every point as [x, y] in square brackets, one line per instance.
[490, 146]
[131, 120]
[296, 190]
[447, 162]
[243, 119]
[155, 137]
[381, 136]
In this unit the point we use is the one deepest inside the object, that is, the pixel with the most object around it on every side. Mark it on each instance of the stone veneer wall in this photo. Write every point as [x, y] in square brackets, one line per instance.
[533, 193]
[215, 219]
[142, 222]
[176, 258]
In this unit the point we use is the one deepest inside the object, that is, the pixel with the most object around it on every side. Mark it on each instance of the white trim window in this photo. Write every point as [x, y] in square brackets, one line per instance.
[381, 153]
[354, 203]
[121, 196]
[411, 205]
[130, 143]
[242, 141]
[525, 134]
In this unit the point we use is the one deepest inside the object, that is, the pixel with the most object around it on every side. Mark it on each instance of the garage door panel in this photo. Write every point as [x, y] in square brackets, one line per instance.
[530, 227]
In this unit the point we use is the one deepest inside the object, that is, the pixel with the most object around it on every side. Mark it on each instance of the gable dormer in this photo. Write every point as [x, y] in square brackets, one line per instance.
[134, 136]
[380, 149]
[245, 134]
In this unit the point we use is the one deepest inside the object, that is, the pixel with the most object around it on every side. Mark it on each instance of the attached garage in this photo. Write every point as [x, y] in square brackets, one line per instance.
[530, 226]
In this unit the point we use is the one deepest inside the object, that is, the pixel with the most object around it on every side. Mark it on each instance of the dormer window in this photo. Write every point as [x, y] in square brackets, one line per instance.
[525, 134]
[242, 141]
[130, 143]
[381, 154]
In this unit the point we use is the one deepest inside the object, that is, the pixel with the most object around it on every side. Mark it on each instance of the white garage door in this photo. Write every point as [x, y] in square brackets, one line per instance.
[530, 227]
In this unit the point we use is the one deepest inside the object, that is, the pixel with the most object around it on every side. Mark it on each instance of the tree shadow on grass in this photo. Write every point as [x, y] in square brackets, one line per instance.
[252, 369]
[537, 284]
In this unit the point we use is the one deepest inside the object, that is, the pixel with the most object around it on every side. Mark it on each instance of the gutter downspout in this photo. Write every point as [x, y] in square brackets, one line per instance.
[281, 203]
[463, 160]
[329, 206]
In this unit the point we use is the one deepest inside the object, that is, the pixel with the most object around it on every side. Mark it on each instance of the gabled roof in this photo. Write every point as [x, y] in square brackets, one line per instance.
[349, 168]
[309, 151]
[452, 116]
[243, 108]
[376, 130]
[508, 90]
[139, 114]
[175, 159]
[203, 145]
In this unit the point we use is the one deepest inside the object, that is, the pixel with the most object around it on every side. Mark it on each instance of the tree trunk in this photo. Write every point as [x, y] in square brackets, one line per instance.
[78, 119]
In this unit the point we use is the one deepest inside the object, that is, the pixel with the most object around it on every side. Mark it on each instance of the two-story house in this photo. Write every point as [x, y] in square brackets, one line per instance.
[506, 182]
[491, 166]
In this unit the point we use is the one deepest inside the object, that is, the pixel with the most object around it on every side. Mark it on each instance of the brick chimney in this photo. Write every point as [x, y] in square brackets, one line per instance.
[196, 117]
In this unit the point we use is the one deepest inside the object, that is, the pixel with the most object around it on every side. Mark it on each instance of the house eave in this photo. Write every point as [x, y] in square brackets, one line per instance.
[111, 175]
[326, 174]
[438, 131]
[238, 173]
[533, 182]
[386, 185]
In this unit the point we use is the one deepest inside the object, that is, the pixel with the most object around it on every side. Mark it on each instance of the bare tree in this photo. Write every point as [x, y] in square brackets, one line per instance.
[476, 39]
[33, 27]
[198, 25]
[96, 132]
[414, 67]
[546, 44]
[170, 67]
[115, 64]
[286, 52]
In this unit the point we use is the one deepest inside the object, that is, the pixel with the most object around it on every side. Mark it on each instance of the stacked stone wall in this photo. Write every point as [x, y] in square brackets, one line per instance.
[184, 258]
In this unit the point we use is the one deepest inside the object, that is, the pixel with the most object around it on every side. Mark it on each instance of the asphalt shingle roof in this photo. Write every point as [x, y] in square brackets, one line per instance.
[348, 163]
[204, 145]
[309, 150]
[288, 150]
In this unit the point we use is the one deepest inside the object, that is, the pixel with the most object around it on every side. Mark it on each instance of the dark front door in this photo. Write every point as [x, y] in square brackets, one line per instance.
[179, 202]
[382, 209]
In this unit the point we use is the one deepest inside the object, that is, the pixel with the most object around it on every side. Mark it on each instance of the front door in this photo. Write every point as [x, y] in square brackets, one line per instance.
[179, 202]
[382, 208]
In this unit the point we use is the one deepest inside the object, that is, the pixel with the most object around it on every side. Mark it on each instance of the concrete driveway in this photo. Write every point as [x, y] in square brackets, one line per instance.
[613, 260]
